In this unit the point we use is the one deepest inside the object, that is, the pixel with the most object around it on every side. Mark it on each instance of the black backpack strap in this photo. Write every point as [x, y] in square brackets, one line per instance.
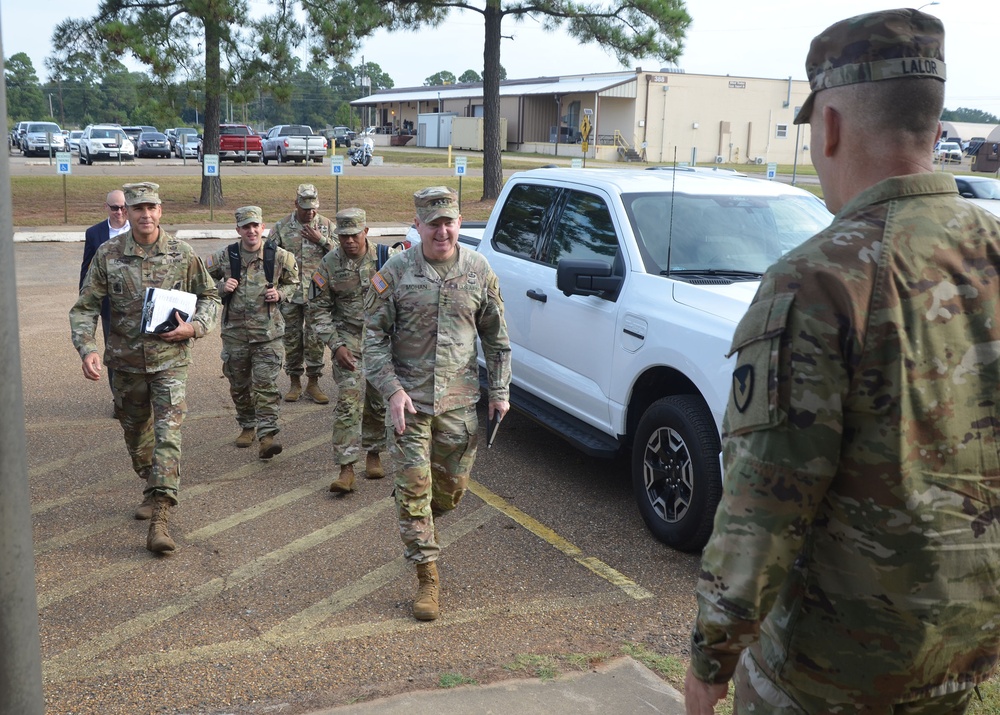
[235, 263]
[270, 250]
[235, 269]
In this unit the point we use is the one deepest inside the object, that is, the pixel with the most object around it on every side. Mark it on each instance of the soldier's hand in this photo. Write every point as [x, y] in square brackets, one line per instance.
[312, 233]
[700, 697]
[345, 358]
[92, 366]
[501, 406]
[230, 285]
[271, 295]
[399, 405]
[183, 331]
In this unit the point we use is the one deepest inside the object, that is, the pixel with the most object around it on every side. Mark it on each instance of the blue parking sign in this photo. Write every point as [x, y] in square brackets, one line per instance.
[64, 162]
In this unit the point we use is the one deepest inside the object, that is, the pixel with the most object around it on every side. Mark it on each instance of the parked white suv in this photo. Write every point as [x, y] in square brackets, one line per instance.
[105, 141]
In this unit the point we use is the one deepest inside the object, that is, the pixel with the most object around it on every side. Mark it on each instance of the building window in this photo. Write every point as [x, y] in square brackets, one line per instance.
[781, 131]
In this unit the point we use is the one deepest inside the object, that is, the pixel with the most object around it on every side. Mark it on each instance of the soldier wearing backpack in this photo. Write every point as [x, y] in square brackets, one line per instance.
[337, 312]
[253, 276]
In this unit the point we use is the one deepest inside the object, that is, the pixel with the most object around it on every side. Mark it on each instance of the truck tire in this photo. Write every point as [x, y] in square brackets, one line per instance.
[676, 475]
[263, 158]
[278, 157]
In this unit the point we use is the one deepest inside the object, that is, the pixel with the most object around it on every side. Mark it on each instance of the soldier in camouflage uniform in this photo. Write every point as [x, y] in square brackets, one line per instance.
[853, 563]
[427, 307]
[252, 329]
[337, 312]
[150, 370]
[307, 236]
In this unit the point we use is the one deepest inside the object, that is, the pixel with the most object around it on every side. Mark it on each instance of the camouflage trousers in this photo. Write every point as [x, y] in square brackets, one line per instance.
[252, 370]
[301, 342]
[756, 692]
[151, 407]
[434, 457]
[359, 418]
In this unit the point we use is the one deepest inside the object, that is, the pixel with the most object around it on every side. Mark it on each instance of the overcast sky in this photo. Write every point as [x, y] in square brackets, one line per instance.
[767, 38]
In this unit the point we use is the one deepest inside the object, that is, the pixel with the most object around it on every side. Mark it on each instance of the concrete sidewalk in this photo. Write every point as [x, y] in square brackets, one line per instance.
[620, 687]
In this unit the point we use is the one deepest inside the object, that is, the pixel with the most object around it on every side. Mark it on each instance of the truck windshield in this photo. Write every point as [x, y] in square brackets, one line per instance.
[237, 131]
[720, 233]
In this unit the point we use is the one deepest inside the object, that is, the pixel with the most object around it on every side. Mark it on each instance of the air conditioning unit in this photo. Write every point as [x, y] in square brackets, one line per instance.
[718, 159]
[759, 160]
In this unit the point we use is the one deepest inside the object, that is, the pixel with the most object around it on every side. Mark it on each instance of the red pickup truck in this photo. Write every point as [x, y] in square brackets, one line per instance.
[237, 142]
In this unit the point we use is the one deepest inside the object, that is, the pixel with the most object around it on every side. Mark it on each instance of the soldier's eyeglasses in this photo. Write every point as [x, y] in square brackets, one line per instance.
[116, 208]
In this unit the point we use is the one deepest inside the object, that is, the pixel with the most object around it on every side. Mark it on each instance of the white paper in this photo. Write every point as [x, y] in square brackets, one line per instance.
[159, 305]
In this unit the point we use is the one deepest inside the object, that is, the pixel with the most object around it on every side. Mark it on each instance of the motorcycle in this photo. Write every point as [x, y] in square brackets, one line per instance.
[361, 152]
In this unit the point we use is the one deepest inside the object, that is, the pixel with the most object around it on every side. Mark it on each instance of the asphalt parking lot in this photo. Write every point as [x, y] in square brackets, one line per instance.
[283, 598]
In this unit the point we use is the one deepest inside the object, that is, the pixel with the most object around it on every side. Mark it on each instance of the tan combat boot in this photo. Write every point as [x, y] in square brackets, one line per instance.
[425, 605]
[268, 447]
[316, 394]
[373, 466]
[145, 510]
[295, 390]
[345, 482]
[246, 437]
[158, 540]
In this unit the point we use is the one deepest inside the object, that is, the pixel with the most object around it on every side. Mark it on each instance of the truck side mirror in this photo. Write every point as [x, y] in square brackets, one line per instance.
[585, 277]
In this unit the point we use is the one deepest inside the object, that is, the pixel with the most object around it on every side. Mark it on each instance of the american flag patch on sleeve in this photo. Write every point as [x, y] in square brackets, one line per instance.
[378, 283]
[319, 280]
[210, 262]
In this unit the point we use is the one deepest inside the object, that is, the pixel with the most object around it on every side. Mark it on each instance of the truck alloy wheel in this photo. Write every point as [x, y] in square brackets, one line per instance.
[676, 475]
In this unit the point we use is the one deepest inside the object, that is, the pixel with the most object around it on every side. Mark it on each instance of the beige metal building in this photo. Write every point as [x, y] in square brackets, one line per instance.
[657, 117]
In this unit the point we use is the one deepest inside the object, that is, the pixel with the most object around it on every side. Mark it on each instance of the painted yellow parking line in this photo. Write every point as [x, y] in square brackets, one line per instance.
[69, 659]
[536, 527]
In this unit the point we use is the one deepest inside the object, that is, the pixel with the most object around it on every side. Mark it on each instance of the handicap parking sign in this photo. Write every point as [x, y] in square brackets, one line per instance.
[64, 162]
[336, 165]
[211, 164]
[461, 162]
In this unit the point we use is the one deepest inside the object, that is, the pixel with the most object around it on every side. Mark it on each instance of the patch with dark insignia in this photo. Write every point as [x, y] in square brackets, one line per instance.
[742, 386]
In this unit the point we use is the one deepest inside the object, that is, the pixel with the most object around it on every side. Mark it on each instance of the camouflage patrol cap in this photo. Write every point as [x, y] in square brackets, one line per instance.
[307, 197]
[145, 192]
[873, 47]
[350, 221]
[249, 214]
[435, 202]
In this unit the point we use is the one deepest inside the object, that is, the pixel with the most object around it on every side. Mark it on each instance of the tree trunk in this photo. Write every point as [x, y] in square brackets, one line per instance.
[211, 186]
[492, 162]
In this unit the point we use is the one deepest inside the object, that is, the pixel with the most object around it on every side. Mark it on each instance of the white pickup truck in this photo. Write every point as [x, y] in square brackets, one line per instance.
[622, 290]
[293, 142]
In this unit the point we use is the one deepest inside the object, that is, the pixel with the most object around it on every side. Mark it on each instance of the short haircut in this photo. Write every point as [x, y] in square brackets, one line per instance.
[903, 105]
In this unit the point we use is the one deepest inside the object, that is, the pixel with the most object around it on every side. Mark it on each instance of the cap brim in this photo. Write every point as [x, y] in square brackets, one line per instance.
[434, 215]
[806, 111]
[348, 231]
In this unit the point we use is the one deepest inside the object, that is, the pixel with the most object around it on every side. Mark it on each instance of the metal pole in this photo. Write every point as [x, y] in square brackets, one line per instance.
[20, 647]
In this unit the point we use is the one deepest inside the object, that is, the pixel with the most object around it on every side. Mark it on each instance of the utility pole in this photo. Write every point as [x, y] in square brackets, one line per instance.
[20, 647]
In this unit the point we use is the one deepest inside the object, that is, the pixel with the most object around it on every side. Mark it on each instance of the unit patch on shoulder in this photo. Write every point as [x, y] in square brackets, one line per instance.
[742, 386]
[378, 283]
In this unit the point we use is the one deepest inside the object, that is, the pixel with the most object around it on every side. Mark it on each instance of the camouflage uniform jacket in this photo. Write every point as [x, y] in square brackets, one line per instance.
[247, 318]
[859, 526]
[122, 270]
[287, 233]
[338, 308]
[421, 331]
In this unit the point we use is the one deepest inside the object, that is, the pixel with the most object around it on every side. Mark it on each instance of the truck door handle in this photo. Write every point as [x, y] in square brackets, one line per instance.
[537, 295]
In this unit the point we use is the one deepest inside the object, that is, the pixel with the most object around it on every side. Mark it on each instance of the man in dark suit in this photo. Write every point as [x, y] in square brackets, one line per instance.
[97, 234]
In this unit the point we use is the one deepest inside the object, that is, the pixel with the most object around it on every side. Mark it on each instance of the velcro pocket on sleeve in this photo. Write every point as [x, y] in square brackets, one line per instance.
[753, 396]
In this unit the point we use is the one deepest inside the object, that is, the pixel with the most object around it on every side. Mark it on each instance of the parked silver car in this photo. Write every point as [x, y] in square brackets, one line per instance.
[42, 138]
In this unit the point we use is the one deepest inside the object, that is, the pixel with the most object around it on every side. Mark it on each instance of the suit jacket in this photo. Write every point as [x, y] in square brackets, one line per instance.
[95, 236]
